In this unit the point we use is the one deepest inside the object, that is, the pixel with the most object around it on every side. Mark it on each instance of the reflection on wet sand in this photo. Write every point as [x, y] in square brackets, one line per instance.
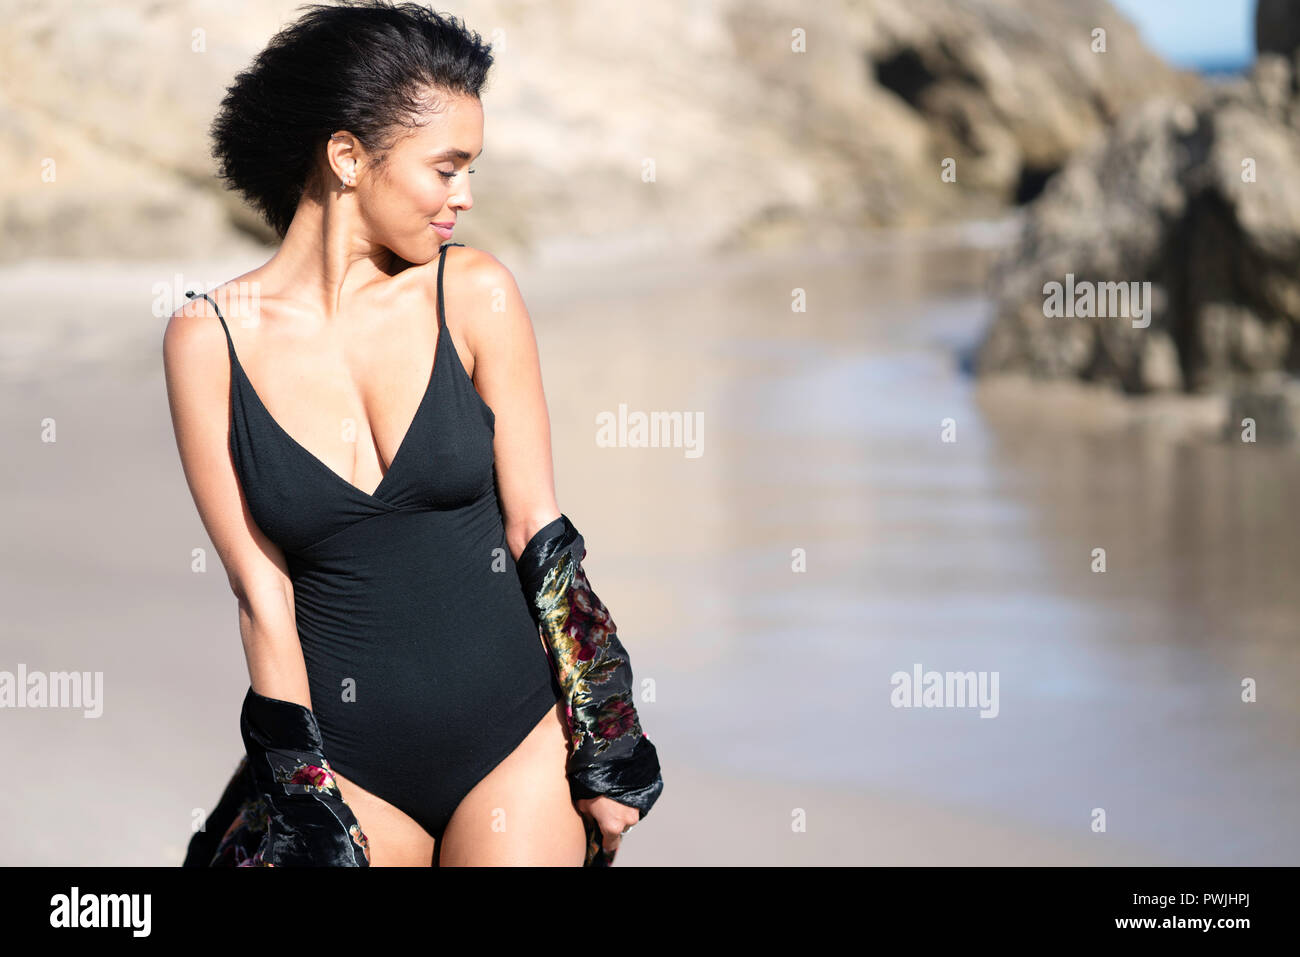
[1119, 690]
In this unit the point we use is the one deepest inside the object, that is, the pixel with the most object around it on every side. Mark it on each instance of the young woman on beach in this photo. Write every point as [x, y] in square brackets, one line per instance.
[368, 448]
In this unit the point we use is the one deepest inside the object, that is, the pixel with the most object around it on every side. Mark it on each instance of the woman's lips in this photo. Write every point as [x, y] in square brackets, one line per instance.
[443, 229]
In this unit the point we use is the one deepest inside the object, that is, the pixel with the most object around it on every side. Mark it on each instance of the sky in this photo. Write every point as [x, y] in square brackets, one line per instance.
[1190, 33]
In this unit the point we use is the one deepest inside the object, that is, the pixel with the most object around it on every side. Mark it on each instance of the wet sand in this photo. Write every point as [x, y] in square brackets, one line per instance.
[821, 432]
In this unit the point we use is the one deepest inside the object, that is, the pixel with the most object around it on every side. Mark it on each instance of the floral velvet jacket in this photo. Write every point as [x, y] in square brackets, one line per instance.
[283, 807]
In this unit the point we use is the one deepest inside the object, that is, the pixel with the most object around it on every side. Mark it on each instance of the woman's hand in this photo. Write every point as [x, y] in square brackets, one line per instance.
[612, 817]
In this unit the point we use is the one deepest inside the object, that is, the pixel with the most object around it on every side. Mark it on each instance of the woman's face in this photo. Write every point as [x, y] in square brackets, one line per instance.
[411, 203]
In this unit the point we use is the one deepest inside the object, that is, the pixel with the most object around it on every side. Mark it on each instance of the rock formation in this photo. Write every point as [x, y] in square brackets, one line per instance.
[765, 121]
[1200, 199]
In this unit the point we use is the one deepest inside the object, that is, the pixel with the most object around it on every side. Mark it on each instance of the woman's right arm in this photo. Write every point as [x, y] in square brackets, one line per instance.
[196, 364]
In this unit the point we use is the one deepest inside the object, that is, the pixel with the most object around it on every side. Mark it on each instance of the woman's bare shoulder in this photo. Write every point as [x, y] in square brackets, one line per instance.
[473, 269]
[193, 331]
[195, 325]
[477, 288]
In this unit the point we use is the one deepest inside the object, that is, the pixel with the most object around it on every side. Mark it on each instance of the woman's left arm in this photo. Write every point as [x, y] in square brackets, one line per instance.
[507, 373]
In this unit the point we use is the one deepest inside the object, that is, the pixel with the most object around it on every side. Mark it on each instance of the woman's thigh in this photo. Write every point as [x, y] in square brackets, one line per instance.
[521, 812]
[394, 838]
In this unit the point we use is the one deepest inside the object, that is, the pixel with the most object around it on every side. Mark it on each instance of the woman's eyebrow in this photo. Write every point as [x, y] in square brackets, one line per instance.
[453, 154]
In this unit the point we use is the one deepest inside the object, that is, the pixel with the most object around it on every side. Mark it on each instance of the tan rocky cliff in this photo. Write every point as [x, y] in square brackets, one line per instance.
[767, 122]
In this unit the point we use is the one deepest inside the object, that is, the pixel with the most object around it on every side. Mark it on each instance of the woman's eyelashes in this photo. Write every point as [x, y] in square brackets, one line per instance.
[450, 176]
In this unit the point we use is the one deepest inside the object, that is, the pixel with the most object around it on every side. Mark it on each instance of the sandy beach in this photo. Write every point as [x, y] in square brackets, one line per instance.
[820, 435]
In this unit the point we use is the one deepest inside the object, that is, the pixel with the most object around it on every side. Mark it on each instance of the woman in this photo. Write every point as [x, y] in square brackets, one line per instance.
[371, 459]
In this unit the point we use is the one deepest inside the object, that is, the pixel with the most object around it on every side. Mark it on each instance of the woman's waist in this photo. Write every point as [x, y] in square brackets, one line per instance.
[416, 599]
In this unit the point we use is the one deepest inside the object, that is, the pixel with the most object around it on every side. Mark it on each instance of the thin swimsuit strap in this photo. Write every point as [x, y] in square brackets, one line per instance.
[442, 261]
[203, 295]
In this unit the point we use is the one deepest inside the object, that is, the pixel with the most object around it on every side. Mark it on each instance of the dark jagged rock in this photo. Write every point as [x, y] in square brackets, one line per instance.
[1277, 26]
[1200, 199]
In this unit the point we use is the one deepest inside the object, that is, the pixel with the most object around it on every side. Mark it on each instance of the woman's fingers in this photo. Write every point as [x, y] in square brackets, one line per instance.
[612, 818]
[615, 822]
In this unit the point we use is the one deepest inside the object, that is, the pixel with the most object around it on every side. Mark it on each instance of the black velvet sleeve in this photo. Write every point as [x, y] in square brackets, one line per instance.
[610, 754]
[282, 807]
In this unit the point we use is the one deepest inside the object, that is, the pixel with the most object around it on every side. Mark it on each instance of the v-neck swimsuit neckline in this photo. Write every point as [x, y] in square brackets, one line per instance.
[375, 496]
[307, 453]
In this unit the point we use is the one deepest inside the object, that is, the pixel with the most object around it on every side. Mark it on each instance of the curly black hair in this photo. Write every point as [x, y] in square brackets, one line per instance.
[366, 66]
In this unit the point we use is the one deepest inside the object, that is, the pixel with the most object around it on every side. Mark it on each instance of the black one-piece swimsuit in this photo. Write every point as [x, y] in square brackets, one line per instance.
[425, 666]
